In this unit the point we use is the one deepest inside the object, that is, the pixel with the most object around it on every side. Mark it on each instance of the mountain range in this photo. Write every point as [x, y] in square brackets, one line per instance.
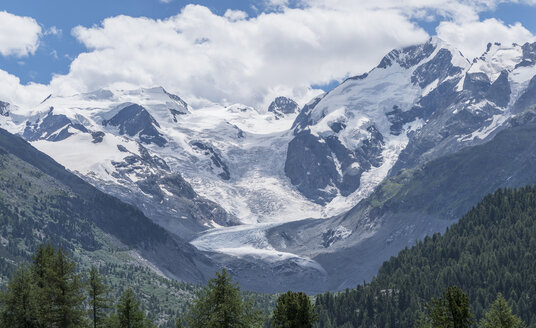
[313, 198]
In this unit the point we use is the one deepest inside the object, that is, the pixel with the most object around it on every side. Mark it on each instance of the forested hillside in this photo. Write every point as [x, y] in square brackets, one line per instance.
[491, 250]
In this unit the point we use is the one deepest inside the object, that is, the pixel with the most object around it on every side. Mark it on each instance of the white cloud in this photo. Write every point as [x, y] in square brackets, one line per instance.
[472, 37]
[12, 91]
[235, 58]
[19, 36]
[235, 15]
[229, 58]
[54, 31]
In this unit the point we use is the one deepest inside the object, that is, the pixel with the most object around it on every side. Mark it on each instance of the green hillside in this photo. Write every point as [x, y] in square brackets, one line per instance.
[491, 249]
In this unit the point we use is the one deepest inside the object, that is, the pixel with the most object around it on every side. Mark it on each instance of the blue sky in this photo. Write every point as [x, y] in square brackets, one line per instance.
[297, 48]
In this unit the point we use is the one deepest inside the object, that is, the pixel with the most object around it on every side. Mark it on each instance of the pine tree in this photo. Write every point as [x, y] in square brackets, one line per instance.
[294, 310]
[423, 321]
[98, 300]
[220, 305]
[59, 289]
[129, 312]
[500, 316]
[18, 304]
[41, 271]
[452, 310]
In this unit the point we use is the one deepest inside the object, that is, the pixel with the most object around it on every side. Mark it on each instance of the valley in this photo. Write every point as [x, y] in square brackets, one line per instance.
[289, 194]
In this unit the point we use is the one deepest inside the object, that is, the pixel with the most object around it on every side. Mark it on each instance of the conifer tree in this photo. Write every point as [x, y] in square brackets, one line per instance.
[220, 305]
[129, 312]
[452, 310]
[294, 310]
[59, 289]
[18, 304]
[500, 316]
[98, 300]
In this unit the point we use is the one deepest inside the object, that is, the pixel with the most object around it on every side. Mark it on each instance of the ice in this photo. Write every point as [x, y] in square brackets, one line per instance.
[497, 59]
[249, 241]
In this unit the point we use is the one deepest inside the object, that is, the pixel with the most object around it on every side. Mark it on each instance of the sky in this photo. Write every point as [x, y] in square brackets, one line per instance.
[230, 51]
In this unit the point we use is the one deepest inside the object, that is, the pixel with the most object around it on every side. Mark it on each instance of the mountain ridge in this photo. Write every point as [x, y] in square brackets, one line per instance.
[238, 183]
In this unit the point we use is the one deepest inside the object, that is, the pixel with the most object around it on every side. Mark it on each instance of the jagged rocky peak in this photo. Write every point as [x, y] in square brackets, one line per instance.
[411, 56]
[177, 99]
[365, 120]
[135, 120]
[283, 106]
[52, 127]
[4, 108]
[514, 59]
[499, 58]
[505, 73]
[529, 55]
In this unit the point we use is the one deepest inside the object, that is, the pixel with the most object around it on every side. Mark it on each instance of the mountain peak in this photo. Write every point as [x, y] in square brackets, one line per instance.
[414, 55]
[135, 120]
[283, 106]
[500, 57]
[4, 108]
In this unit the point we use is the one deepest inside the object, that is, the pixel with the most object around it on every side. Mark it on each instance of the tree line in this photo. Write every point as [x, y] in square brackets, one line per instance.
[50, 293]
[452, 310]
[490, 251]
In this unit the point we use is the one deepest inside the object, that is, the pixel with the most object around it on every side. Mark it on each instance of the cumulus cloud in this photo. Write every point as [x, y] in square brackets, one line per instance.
[233, 58]
[12, 91]
[472, 37]
[19, 36]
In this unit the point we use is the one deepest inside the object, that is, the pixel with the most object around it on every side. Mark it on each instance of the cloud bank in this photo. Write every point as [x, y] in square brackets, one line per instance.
[233, 58]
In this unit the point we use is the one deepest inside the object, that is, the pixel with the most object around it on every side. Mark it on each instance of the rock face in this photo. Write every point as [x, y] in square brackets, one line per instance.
[283, 106]
[330, 168]
[215, 158]
[4, 108]
[52, 128]
[135, 120]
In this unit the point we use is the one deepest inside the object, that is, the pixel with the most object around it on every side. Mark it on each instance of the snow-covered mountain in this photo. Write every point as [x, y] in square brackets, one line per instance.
[419, 103]
[149, 148]
[230, 179]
